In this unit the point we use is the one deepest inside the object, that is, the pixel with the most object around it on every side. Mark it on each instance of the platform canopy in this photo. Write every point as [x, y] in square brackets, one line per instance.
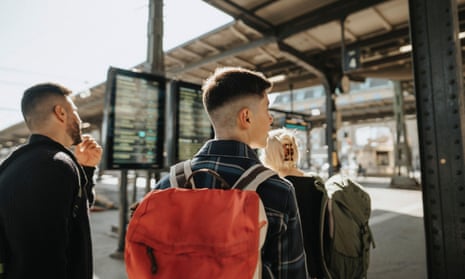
[297, 42]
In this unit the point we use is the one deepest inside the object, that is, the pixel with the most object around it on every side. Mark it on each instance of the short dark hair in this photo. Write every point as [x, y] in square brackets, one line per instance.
[232, 83]
[34, 97]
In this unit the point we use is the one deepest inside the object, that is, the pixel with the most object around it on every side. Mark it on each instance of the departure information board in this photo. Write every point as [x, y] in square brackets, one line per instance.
[134, 116]
[194, 127]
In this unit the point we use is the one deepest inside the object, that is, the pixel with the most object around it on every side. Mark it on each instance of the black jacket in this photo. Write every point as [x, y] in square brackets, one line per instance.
[309, 199]
[44, 220]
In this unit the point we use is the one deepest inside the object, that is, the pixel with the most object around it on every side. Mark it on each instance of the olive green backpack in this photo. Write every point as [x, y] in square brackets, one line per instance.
[345, 233]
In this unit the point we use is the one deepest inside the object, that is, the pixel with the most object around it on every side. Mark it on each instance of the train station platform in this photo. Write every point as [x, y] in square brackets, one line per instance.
[396, 222]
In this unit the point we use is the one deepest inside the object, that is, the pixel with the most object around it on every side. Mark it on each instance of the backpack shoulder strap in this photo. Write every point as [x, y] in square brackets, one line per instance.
[179, 173]
[249, 180]
[253, 177]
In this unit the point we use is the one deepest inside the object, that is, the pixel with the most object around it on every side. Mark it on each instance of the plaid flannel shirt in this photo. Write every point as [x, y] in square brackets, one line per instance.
[283, 254]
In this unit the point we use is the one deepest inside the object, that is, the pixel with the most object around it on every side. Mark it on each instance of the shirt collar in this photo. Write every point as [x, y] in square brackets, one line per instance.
[37, 137]
[227, 148]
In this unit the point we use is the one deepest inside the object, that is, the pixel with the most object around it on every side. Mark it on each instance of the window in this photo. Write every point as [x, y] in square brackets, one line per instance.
[283, 99]
[373, 136]
[378, 82]
[319, 91]
[300, 96]
[382, 158]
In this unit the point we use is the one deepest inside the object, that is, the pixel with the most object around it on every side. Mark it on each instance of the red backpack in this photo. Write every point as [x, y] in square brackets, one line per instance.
[199, 232]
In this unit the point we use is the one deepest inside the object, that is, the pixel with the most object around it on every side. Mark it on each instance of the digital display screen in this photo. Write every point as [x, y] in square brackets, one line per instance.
[194, 127]
[134, 115]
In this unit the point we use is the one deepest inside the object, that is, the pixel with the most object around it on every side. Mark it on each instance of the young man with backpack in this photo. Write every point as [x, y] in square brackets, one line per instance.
[237, 103]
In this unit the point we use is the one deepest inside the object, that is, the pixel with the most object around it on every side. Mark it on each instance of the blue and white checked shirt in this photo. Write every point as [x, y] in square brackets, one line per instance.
[283, 254]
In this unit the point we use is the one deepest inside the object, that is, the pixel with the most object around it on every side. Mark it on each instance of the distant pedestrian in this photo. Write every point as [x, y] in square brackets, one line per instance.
[361, 171]
[46, 190]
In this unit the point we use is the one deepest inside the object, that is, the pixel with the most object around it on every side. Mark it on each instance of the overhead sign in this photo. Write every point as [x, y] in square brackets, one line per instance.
[351, 59]
[297, 123]
[133, 123]
[193, 124]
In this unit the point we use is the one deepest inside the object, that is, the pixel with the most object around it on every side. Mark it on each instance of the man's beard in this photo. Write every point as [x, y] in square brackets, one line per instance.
[74, 131]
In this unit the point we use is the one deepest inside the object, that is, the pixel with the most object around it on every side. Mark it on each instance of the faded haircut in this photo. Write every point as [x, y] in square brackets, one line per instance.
[229, 84]
[35, 103]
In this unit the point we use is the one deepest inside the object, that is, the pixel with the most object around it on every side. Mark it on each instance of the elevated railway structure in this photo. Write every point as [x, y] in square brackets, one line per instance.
[299, 41]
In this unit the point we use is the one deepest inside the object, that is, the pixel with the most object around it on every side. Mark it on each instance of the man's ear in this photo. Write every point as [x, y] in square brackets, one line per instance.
[59, 112]
[244, 117]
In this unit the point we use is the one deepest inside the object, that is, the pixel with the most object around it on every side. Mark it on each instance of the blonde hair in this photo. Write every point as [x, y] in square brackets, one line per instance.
[281, 151]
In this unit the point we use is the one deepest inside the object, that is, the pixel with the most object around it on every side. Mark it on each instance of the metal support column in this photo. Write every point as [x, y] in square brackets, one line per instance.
[123, 215]
[402, 157]
[331, 129]
[148, 181]
[402, 151]
[155, 64]
[170, 124]
[155, 57]
[308, 146]
[441, 124]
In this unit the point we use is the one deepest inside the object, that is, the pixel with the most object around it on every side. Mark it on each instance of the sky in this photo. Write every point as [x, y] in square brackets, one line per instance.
[74, 42]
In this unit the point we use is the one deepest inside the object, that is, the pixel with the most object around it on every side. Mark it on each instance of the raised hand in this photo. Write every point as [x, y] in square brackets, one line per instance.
[88, 152]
